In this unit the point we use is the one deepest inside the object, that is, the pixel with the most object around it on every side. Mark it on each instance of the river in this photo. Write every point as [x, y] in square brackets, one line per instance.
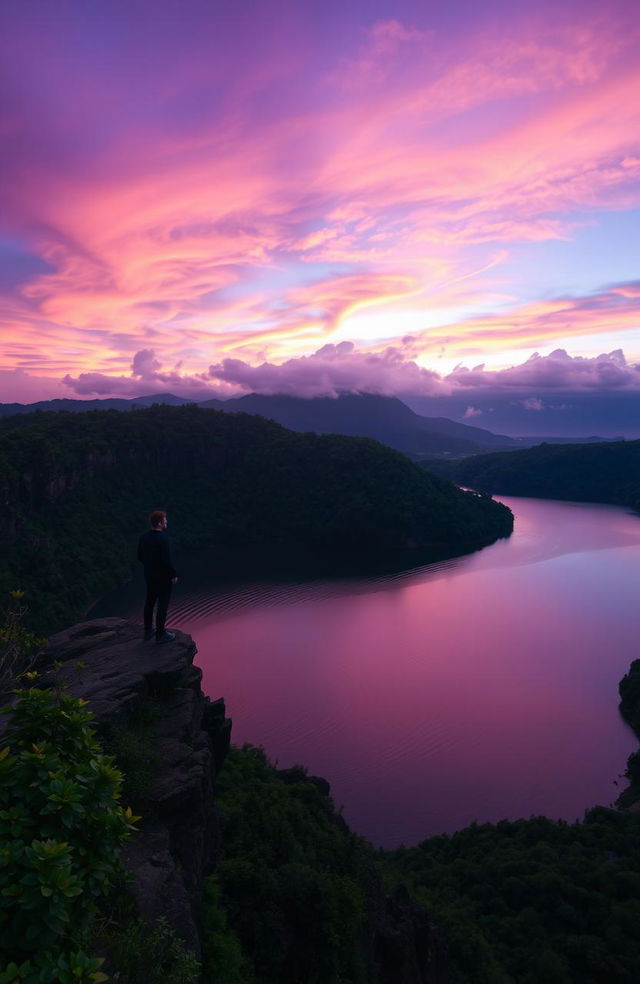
[477, 688]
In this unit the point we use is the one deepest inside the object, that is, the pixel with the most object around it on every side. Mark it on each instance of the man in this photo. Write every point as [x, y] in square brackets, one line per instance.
[154, 552]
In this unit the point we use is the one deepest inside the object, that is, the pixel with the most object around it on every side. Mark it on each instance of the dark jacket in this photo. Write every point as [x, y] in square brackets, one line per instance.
[154, 552]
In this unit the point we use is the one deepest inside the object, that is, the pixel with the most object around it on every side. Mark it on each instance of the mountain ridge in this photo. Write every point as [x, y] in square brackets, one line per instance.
[386, 419]
[431, 435]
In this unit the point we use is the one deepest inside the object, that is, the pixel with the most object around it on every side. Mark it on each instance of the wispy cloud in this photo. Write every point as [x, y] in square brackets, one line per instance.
[187, 183]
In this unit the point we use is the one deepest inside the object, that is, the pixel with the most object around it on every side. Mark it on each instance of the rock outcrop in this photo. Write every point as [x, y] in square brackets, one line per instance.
[106, 662]
[178, 844]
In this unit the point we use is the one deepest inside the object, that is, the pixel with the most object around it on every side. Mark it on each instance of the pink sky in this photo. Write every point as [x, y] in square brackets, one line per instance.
[303, 197]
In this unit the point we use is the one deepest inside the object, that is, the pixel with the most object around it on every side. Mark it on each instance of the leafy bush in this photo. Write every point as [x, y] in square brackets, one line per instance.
[17, 645]
[61, 830]
[48, 967]
[148, 955]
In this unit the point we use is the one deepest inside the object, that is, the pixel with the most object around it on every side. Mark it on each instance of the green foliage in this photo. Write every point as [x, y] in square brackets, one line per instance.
[61, 828]
[17, 645]
[291, 881]
[603, 472]
[47, 967]
[78, 487]
[222, 950]
[534, 900]
[142, 954]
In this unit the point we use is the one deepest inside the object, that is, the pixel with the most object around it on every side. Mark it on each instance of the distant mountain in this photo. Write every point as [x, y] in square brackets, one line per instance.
[11, 409]
[561, 415]
[564, 418]
[384, 418]
[81, 406]
[530, 442]
[167, 399]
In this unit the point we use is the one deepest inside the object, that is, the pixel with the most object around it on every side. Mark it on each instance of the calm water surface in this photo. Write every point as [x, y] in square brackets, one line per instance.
[472, 689]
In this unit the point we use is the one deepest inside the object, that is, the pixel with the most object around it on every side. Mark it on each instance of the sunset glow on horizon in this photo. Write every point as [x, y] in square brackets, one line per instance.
[406, 198]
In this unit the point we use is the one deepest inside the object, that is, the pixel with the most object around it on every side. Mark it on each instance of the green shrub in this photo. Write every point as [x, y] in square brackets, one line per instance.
[61, 830]
[17, 645]
[223, 956]
[47, 967]
[140, 954]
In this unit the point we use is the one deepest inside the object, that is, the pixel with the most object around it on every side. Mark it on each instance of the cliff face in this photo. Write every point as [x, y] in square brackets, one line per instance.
[178, 843]
[105, 662]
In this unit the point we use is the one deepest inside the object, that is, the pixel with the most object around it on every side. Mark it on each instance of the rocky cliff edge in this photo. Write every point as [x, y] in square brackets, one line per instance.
[106, 662]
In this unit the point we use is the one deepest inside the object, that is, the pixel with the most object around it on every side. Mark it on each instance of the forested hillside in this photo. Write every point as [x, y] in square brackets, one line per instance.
[517, 902]
[535, 900]
[603, 472]
[76, 490]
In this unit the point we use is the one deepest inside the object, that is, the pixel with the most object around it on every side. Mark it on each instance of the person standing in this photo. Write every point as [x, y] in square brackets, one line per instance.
[154, 552]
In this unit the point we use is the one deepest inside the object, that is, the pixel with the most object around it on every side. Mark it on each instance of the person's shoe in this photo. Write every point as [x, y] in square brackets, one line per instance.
[165, 637]
[148, 635]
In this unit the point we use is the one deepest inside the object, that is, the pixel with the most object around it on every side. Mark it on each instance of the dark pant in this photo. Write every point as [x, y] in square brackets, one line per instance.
[157, 591]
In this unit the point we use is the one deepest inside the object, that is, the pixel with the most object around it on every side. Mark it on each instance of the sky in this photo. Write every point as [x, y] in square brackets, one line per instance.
[414, 198]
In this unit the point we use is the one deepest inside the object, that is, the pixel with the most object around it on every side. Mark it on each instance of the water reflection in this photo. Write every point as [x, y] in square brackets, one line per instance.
[471, 688]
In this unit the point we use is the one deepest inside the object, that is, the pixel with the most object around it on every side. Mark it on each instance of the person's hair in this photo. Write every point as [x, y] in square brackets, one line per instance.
[156, 517]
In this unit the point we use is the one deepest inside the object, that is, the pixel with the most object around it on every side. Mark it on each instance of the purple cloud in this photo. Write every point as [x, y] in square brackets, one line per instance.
[340, 368]
[335, 369]
[331, 370]
[556, 371]
[145, 364]
[145, 379]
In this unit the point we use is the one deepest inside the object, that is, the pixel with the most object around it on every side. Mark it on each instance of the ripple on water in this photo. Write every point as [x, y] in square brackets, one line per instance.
[477, 687]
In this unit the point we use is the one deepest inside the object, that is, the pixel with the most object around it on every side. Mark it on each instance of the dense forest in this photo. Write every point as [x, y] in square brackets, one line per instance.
[531, 901]
[604, 472]
[297, 896]
[76, 490]
[535, 900]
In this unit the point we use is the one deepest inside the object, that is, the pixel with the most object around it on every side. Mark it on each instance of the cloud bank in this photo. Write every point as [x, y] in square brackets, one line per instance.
[336, 369]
